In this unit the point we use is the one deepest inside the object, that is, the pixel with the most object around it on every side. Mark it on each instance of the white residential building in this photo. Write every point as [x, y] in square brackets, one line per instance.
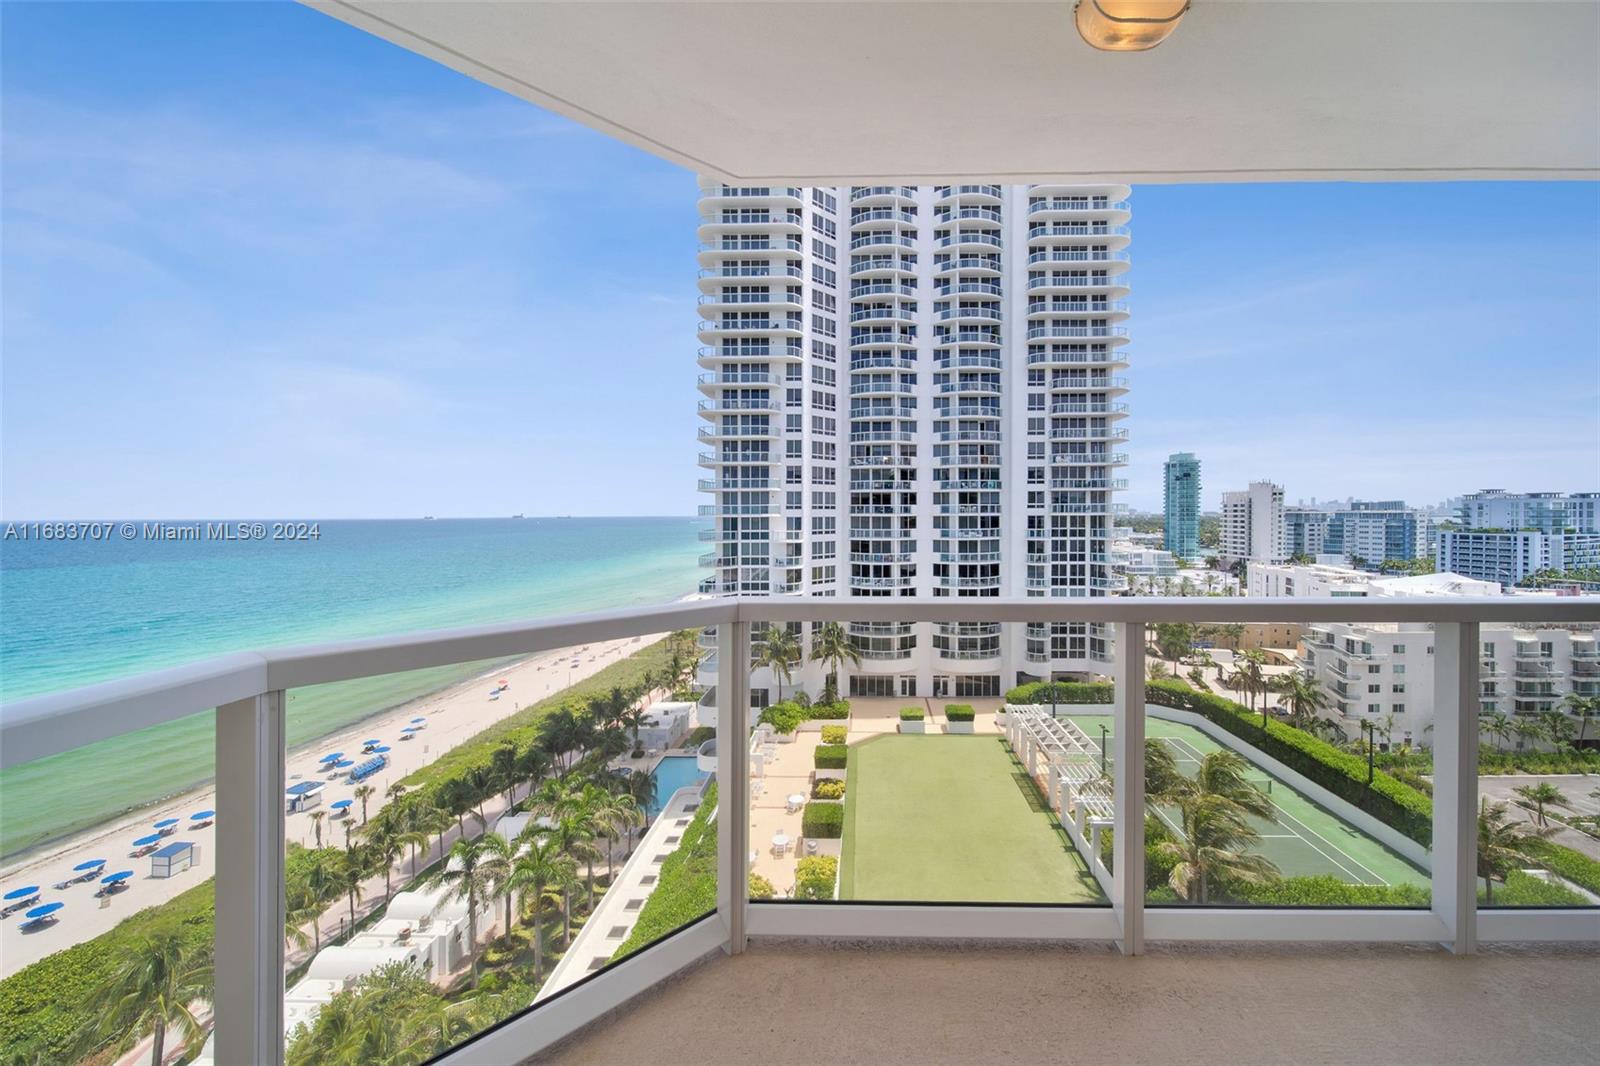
[1383, 673]
[1546, 512]
[1508, 556]
[913, 391]
[1252, 524]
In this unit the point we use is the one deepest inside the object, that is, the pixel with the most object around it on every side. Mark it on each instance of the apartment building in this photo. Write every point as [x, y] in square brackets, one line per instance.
[914, 391]
[1180, 498]
[1252, 524]
[1508, 556]
[1544, 512]
[1304, 531]
[1383, 672]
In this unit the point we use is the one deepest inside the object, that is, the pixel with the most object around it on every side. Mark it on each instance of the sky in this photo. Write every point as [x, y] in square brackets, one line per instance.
[257, 263]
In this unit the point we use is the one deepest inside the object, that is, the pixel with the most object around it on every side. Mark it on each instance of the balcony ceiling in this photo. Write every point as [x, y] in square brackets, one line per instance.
[932, 92]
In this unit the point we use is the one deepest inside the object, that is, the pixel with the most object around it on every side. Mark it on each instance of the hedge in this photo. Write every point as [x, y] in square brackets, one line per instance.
[687, 886]
[835, 734]
[1575, 866]
[831, 756]
[1066, 692]
[1525, 890]
[785, 717]
[827, 788]
[958, 712]
[822, 821]
[911, 714]
[1326, 890]
[835, 711]
[814, 877]
[761, 888]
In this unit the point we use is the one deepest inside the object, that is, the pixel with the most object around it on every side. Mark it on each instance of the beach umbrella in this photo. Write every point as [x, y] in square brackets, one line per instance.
[343, 764]
[43, 909]
[380, 749]
[340, 805]
[409, 729]
[332, 756]
[21, 893]
[165, 822]
[90, 865]
[151, 839]
[116, 878]
[414, 721]
[369, 743]
[202, 815]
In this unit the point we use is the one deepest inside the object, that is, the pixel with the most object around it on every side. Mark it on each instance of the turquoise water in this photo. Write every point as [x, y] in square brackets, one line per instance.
[672, 773]
[74, 613]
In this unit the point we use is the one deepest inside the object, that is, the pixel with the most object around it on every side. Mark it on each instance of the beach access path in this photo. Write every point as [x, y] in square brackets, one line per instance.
[454, 715]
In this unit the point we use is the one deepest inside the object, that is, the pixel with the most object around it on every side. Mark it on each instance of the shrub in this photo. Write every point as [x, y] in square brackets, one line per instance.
[827, 788]
[1573, 865]
[814, 877]
[1065, 692]
[800, 698]
[831, 756]
[761, 888]
[958, 712]
[822, 821]
[911, 714]
[784, 717]
[687, 886]
[835, 734]
[1525, 890]
[1324, 890]
[835, 711]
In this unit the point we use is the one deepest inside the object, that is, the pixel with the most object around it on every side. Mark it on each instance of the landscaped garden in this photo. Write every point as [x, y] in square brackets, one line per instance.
[952, 818]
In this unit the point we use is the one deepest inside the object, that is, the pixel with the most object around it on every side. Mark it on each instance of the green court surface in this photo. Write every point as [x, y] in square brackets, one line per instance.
[952, 818]
[1304, 838]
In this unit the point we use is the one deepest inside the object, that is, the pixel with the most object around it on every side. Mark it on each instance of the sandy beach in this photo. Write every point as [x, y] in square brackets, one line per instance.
[453, 716]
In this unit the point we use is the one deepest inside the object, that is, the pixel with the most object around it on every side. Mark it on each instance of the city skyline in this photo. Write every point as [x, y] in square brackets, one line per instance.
[396, 267]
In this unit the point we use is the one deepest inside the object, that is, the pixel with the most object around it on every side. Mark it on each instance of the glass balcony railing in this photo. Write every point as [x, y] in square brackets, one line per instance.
[515, 812]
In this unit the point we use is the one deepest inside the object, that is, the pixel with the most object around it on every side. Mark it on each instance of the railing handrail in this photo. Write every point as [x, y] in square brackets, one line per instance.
[44, 725]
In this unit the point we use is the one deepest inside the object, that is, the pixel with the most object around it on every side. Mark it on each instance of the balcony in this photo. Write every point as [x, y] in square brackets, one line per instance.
[1047, 332]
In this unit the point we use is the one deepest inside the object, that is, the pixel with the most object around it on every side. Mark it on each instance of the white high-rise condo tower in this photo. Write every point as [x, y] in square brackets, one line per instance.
[913, 391]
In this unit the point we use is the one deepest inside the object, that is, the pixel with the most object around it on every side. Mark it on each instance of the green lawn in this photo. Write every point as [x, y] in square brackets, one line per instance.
[952, 818]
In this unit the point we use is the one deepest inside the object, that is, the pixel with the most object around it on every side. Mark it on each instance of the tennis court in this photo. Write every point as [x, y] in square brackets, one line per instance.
[1303, 839]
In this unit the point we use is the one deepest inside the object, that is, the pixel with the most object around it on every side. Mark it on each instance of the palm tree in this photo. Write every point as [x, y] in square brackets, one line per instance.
[1302, 696]
[385, 844]
[480, 785]
[1504, 844]
[1582, 708]
[495, 863]
[1249, 678]
[778, 651]
[468, 875]
[1155, 670]
[1557, 726]
[152, 988]
[364, 792]
[1527, 732]
[504, 767]
[1215, 833]
[831, 646]
[542, 875]
[1496, 725]
[1173, 640]
[1537, 797]
[572, 836]
[349, 874]
[394, 792]
[321, 885]
[642, 790]
[316, 825]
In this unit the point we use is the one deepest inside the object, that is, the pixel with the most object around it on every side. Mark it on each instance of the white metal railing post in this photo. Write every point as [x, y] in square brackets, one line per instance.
[248, 1001]
[733, 780]
[1128, 787]
[1455, 782]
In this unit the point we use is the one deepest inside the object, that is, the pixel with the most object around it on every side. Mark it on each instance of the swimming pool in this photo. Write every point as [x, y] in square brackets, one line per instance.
[672, 773]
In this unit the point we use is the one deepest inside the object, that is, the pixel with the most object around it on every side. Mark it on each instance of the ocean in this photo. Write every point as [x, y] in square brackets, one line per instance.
[74, 613]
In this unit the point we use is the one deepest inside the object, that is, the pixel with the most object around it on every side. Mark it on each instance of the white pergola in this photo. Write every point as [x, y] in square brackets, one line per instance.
[1244, 90]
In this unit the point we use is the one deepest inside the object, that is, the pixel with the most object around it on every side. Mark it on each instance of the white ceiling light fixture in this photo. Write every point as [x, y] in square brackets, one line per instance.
[1127, 25]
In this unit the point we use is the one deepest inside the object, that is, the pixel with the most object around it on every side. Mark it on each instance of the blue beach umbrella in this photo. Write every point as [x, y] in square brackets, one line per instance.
[414, 721]
[367, 743]
[380, 749]
[43, 909]
[199, 816]
[116, 878]
[343, 764]
[90, 865]
[332, 756]
[21, 893]
[151, 839]
[165, 822]
[410, 729]
[340, 805]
